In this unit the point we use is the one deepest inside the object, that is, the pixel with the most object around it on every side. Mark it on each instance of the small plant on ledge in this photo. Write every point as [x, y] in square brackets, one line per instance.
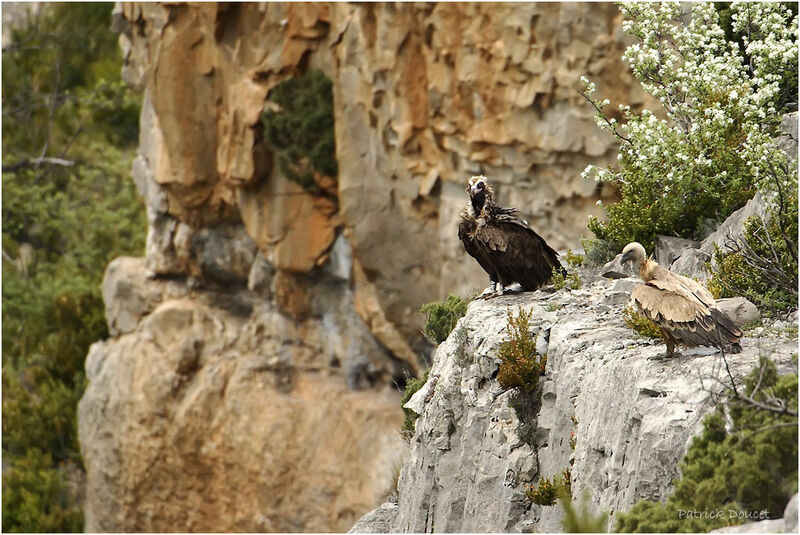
[640, 325]
[412, 386]
[570, 281]
[521, 366]
[548, 491]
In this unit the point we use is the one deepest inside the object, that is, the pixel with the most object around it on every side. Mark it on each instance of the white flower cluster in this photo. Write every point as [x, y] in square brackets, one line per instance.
[708, 90]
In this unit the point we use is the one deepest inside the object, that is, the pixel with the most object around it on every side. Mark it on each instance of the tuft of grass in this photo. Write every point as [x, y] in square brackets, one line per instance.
[441, 317]
[570, 281]
[639, 324]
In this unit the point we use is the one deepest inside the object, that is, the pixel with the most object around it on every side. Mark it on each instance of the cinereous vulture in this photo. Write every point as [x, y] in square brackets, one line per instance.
[503, 243]
[685, 312]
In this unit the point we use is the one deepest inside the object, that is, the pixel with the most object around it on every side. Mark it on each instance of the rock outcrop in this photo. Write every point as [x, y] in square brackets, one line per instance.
[249, 381]
[424, 97]
[629, 412]
[212, 411]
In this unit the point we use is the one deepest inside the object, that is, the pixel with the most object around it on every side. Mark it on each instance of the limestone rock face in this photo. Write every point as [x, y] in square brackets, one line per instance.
[249, 381]
[424, 97]
[213, 411]
[630, 412]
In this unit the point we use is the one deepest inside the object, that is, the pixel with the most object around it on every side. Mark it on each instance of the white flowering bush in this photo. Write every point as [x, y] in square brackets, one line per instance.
[711, 147]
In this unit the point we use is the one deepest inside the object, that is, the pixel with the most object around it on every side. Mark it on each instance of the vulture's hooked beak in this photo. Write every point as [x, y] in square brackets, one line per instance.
[476, 188]
[627, 257]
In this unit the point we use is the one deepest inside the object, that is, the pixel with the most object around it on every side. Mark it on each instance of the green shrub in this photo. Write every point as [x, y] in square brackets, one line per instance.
[520, 365]
[639, 324]
[714, 150]
[301, 131]
[520, 369]
[763, 265]
[412, 386]
[598, 252]
[746, 464]
[441, 317]
[570, 281]
[547, 492]
[573, 260]
[37, 497]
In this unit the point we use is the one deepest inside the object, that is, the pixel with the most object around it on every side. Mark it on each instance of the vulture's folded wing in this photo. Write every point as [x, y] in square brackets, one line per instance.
[660, 305]
[672, 282]
[492, 237]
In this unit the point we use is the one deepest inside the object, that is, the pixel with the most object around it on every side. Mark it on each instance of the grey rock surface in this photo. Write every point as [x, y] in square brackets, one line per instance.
[692, 261]
[740, 310]
[788, 139]
[787, 524]
[790, 513]
[669, 248]
[129, 294]
[632, 413]
[762, 526]
[377, 521]
[615, 270]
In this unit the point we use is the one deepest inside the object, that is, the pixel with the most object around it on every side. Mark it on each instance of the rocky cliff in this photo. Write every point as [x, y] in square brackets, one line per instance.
[250, 380]
[612, 410]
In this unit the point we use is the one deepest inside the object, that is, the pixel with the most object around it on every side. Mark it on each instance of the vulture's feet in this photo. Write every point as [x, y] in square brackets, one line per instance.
[515, 288]
[494, 290]
[666, 356]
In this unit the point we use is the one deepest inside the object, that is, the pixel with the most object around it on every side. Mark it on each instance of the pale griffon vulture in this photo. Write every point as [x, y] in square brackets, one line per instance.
[685, 312]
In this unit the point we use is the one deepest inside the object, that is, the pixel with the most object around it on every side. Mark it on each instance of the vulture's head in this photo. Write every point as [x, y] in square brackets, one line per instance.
[635, 254]
[479, 190]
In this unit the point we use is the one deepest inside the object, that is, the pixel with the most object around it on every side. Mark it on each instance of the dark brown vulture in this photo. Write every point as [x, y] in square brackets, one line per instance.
[685, 312]
[503, 243]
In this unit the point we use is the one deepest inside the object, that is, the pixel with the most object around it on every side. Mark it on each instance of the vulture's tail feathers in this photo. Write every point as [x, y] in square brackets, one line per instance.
[729, 333]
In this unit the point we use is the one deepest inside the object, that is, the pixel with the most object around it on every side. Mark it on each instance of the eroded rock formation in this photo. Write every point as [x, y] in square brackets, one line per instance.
[249, 383]
[613, 411]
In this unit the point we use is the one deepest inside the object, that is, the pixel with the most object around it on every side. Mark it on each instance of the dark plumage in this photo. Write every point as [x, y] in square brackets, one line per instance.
[685, 312]
[503, 243]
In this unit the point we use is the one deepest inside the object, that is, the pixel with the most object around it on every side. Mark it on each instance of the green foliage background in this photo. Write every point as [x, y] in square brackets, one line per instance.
[62, 98]
[301, 131]
[441, 317]
[677, 197]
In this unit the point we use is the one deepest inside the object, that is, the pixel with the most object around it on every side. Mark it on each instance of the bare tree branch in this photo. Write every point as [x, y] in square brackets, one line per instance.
[38, 162]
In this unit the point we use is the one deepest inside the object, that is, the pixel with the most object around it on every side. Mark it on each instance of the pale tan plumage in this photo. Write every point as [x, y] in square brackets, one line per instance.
[683, 309]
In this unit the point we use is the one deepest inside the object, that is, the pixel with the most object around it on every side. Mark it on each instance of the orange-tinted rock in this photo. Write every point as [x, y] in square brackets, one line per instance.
[278, 428]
